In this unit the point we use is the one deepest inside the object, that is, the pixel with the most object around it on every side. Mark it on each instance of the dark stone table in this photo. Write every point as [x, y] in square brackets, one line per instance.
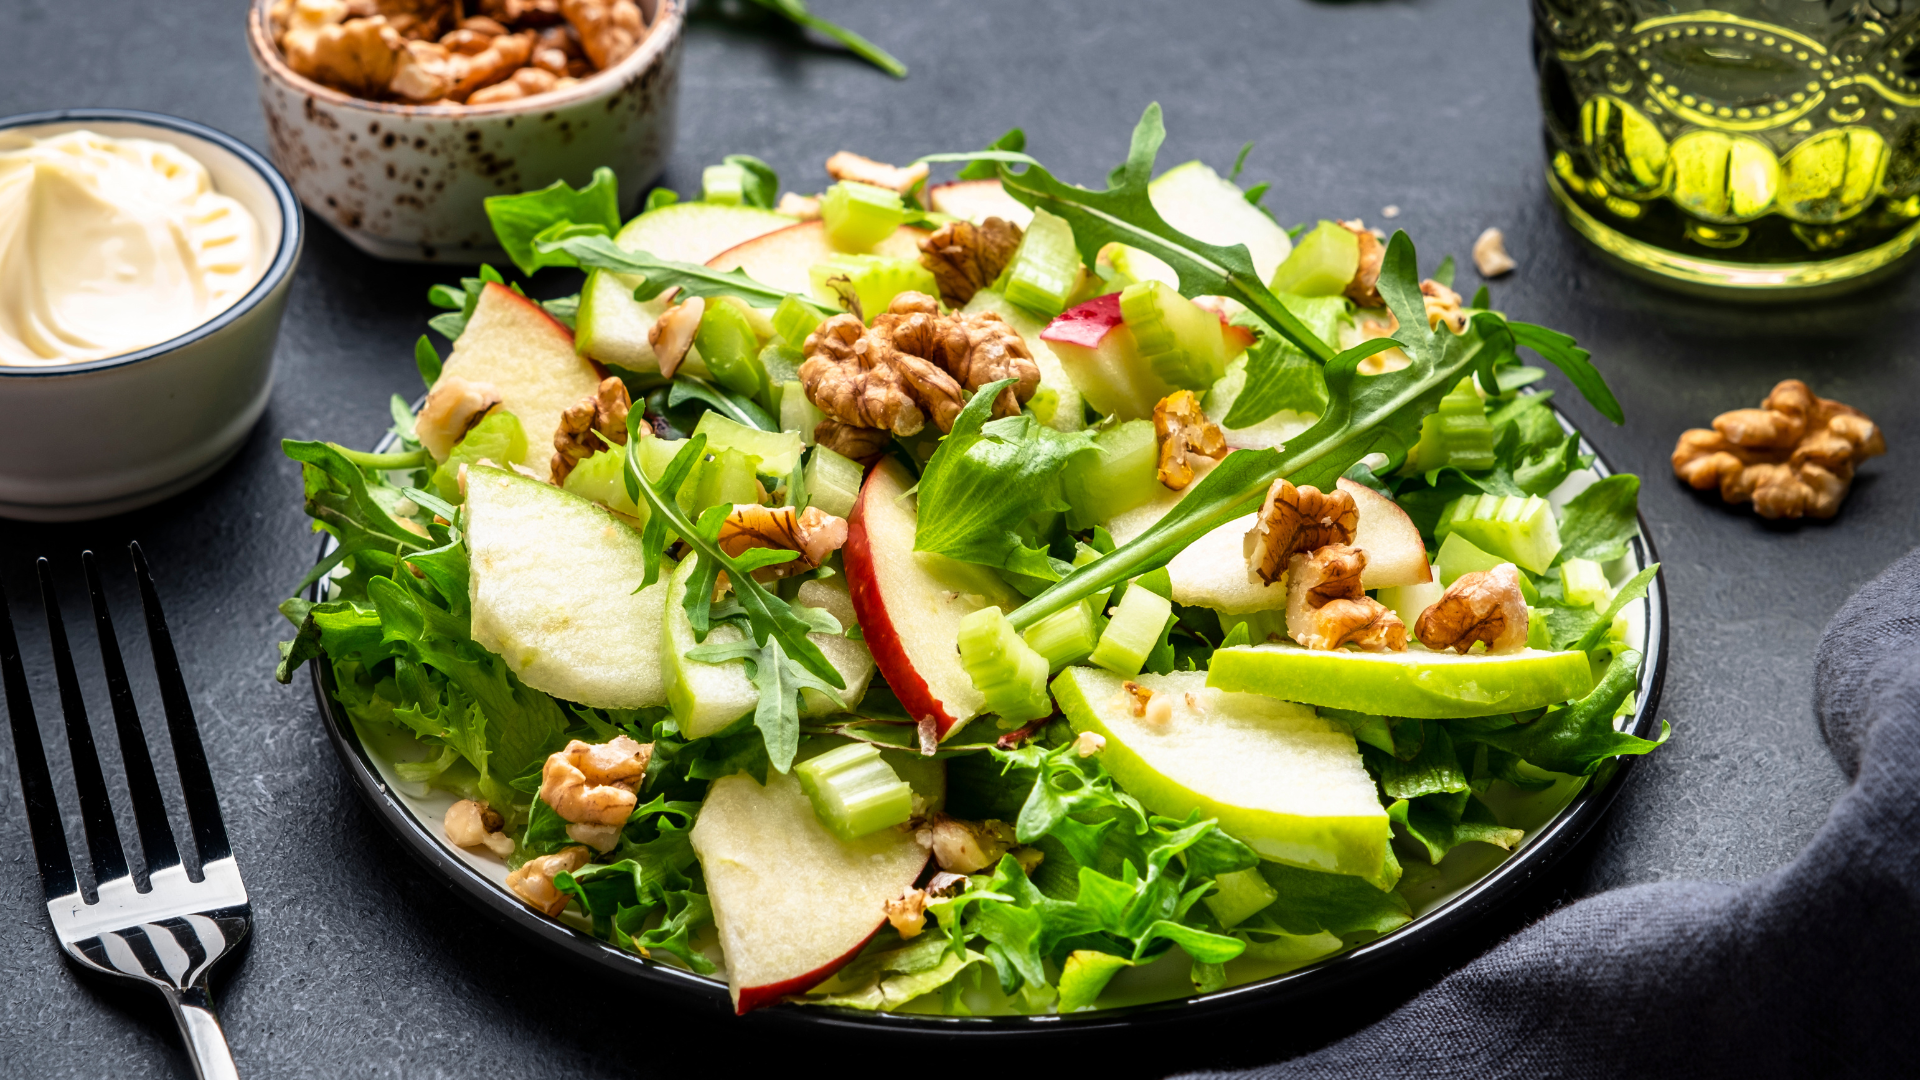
[363, 965]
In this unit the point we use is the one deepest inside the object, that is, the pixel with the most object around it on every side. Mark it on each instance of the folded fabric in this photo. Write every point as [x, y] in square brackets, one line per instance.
[1808, 971]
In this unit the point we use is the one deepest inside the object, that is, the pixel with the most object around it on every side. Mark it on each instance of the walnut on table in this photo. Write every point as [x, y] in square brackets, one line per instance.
[1293, 521]
[1186, 437]
[1485, 605]
[965, 258]
[1326, 607]
[1794, 456]
[592, 424]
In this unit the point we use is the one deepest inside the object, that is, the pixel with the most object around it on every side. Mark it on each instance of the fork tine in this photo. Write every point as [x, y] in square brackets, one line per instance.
[96, 812]
[149, 809]
[196, 780]
[36, 784]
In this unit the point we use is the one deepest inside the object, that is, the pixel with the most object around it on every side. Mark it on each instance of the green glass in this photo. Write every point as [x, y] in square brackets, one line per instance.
[1765, 148]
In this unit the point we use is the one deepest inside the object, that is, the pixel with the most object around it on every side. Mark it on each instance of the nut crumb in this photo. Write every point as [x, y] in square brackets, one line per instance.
[1089, 743]
[1490, 254]
[1138, 697]
[1186, 438]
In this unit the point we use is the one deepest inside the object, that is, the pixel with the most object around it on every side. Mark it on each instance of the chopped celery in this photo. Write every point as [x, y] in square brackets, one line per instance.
[781, 362]
[858, 216]
[794, 319]
[602, 478]
[1457, 433]
[726, 479]
[1067, 636]
[1239, 894]
[1539, 630]
[1123, 475]
[1004, 668]
[1321, 264]
[498, 438]
[854, 791]
[730, 349]
[1045, 271]
[778, 451]
[1458, 556]
[1583, 582]
[797, 413]
[1519, 529]
[833, 482]
[724, 184]
[1176, 337]
[874, 279]
[1132, 631]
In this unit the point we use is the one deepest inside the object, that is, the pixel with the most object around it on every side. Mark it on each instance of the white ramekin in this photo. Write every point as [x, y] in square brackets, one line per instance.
[87, 440]
[408, 181]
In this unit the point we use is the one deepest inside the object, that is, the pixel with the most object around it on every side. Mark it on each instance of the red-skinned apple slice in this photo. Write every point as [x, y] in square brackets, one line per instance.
[910, 603]
[977, 200]
[791, 901]
[783, 257]
[513, 345]
[1395, 553]
[1094, 345]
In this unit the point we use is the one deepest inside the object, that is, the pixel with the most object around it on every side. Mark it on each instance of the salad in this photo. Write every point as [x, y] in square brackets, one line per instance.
[989, 596]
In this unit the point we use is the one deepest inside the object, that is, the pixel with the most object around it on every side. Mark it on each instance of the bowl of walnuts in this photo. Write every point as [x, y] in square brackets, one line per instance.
[394, 119]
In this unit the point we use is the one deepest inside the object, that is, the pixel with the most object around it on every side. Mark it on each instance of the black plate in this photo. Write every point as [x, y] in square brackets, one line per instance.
[1542, 849]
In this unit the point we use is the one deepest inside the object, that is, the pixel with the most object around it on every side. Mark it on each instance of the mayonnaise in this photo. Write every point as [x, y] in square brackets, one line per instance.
[110, 245]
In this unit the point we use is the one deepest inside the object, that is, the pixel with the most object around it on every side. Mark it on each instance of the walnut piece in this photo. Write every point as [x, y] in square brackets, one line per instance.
[453, 407]
[609, 29]
[1364, 289]
[1485, 605]
[965, 258]
[1186, 437]
[671, 335]
[966, 847]
[1443, 306]
[847, 165]
[524, 83]
[522, 12]
[590, 425]
[590, 784]
[1794, 456]
[812, 532]
[426, 71]
[908, 914]
[471, 823]
[533, 881]
[1295, 520]
[357, 56]
[496, 63]
[1137, 698]
[912, 363]
[1089, 743]
[804, 207]
[1326, 608]
[1490, 254]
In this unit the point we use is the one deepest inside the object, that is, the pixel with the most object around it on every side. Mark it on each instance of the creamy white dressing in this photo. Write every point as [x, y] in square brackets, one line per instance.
[110, 245]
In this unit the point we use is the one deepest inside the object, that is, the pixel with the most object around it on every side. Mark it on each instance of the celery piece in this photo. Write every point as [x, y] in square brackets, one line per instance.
[724, 184]
[1180, 340]
[1459, 556]
[602, 477]
[1065, 637]
[1519, 529]
[1007, 671]
[781, 362]
[1132, 631]
[795, 319]
[854, 791]
[778, 451]
[797, 414]
[1457, 433]
[1321, 264]
[1122, 476]
[858, 216]
[833, 481]
[1262, 626]
[1583, 582]
[1539, 629]
[730, 349]
[498, 438]
[1238, 895]
[1045, 271]
[726, 479]
[871, 280]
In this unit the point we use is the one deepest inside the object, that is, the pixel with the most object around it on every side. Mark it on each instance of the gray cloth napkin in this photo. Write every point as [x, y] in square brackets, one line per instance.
[1808, 971]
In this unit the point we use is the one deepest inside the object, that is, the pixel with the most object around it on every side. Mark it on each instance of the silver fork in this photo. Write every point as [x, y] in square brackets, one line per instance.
[170, 933]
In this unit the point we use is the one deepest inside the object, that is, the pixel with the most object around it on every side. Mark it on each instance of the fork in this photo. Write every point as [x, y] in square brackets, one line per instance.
[168, 934]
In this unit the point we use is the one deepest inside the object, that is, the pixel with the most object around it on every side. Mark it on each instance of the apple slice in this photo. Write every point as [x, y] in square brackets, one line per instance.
[1279, 778]
[791, 901]
[514, 346]
[911, 602]
[1099, 354]
[785, 257]
[978, 200]
[612, 324]
[1417, 682]
[542, 560]
[1207, 206]
[1395, 553]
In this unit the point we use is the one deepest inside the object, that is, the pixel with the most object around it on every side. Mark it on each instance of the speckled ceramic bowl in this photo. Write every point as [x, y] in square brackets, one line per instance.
[407, 181]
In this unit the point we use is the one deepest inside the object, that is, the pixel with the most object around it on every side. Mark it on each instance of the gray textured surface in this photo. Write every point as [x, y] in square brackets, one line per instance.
[364, 966]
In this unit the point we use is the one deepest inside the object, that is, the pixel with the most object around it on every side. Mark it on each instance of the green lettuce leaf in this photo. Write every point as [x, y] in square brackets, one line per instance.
[1312, 902]
[1281, 376]
[1598, 523]
[1577, 737]
[517, 219]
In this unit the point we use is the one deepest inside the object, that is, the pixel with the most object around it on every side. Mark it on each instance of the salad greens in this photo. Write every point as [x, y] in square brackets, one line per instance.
[1056, 877]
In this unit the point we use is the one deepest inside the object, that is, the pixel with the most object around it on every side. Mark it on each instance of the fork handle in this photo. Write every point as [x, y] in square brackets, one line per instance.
[200, 1027]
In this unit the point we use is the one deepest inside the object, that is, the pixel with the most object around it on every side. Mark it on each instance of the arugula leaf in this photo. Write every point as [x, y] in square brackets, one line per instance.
[594, 252]
[1434, 769]
[796, 12]
[1279, 375]
[1573, 361]
[1634, 588]
[427, 359]
[988, 477]
[517, 219]
[780, 682]
[1575, 738]
[688, 388]
[762, 187]
[460, 302]
[1597, 523]
[984, 168]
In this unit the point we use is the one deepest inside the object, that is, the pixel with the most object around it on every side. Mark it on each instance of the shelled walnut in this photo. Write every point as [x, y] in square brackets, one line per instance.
[1485, 605]
[1794, 456]
[965, 258]
[1186, 437]
[1326, 607]
[1293, 521]
[590, 425]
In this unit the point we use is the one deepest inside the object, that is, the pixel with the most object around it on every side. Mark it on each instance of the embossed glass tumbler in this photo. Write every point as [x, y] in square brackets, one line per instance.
[1758, 148]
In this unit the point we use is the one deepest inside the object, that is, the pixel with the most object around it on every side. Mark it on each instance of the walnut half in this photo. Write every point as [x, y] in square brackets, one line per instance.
[1326, 608]
[965, 258]
[812, 532]
[1486, 605]
[1295, 520]
[592, 424]
[1794, 456]
[589, 784]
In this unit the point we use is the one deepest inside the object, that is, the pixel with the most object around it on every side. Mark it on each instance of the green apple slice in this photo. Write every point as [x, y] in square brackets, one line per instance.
[612, 326]
[551, 587]
[706, 698]
[1207, 206]
[1417, 682]
[1285, 782]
